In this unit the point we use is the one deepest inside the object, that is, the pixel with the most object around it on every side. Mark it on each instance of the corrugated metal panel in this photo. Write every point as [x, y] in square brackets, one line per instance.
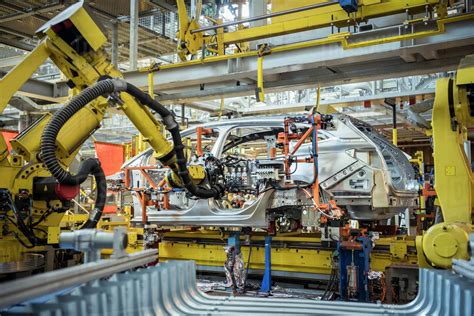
[170, 289]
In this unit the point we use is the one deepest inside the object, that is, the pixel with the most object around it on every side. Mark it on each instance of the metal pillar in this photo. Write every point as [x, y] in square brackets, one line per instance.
[133, 34]
[193, 9]
[257, 8]
[267, 274]
[183, 113]
[260, 93]
[115, 42]
[24, 121]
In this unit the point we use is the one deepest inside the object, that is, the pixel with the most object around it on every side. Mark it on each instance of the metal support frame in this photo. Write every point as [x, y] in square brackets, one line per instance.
[266, 285]
[285, 259]
[134, 8]
[115, 44]
[22, 13]
[394, 123]
[326, 61]
[322, 61]
[260, 93]
[320, 15]
[355, 263]
[256, 6]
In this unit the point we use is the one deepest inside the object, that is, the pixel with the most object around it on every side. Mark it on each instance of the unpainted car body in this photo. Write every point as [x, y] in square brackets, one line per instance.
[358, 168]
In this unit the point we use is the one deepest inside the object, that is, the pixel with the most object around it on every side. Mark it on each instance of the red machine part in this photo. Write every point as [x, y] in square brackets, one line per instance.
[66, 192]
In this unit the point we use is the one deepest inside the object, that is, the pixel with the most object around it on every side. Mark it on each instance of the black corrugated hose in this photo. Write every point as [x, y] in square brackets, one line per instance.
[88, 166]
[92, 166]
[173, 127]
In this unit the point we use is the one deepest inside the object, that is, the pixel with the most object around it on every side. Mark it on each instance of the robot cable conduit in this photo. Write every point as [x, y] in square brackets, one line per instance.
[92, 166]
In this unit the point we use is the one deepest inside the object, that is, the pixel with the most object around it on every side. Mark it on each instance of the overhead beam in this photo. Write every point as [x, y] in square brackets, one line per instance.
[11, 61]
[26, 12]
[329, 63]
[43, 90]
[17, 44]
[342, 102]
[15, 32]
[23, 103]
[142, 14]
[114, 19]
[163, 5]
[371, 72]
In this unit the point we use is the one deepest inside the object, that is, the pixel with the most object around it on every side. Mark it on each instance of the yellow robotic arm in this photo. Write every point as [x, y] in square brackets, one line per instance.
[74, 42]
[453, 116]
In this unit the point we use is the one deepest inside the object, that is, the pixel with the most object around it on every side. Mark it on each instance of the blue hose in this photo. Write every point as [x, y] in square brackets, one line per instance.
[314, 149]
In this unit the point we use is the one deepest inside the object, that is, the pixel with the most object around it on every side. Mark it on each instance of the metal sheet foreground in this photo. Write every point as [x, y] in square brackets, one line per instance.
[15, 292]
[170, 288]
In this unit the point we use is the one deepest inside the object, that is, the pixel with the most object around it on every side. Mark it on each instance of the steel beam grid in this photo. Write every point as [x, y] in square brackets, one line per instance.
[297, 69]
[170, 289]
[341, 102]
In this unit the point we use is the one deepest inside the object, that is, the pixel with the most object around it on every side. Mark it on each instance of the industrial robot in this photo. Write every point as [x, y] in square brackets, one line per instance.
[36, 186]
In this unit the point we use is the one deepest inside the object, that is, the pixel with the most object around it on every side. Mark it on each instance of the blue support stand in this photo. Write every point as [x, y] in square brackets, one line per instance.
[267, 274]
[234, 241]
[362, 261]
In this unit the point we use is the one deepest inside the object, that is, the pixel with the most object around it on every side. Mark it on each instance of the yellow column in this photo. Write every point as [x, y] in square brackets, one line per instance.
[151, 85]
[141, 144]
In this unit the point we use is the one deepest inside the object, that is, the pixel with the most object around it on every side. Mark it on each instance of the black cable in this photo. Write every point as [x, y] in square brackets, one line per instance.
[331, 280]
[41, 230]
[22, 227]
[43, 217]
[296, 167]
[21, 241]
[265, 190]
[215, 191]
[89, 166]
[92, 166]
[18, 237]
